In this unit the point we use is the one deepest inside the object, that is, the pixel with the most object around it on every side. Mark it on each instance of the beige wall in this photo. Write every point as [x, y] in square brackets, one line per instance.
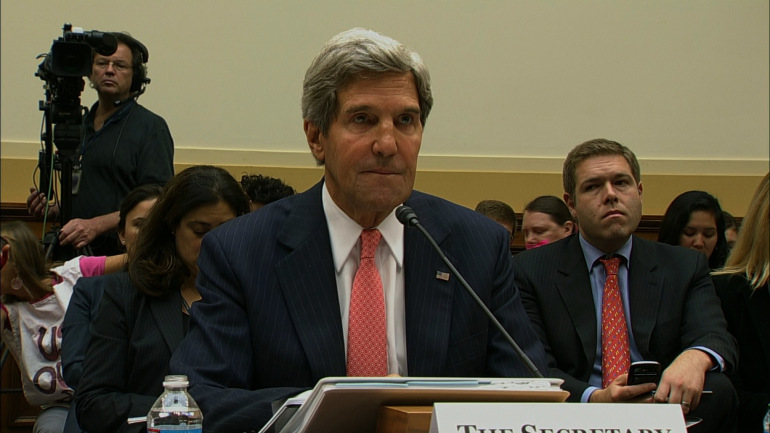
[516, 83]
[468, 187]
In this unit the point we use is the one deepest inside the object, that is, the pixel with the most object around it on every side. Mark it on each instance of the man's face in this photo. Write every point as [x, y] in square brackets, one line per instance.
[370, 151]
[607, 201]
[112, 75]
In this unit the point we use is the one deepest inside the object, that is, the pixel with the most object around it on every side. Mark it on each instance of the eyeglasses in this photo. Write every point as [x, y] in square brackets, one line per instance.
[118, 66]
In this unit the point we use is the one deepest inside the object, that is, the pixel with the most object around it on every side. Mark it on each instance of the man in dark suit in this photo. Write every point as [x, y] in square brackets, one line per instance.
[671, 312]
[277, 284]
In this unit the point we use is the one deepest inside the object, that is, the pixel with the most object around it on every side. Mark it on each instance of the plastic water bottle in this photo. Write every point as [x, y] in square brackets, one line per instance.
[766, 421]
[175, 410]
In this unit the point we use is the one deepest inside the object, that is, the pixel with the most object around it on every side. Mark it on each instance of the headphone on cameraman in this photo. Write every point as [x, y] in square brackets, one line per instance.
[139, 55]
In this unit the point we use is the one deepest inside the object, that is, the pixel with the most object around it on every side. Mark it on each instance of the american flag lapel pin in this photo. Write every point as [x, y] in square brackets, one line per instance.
[442, 275]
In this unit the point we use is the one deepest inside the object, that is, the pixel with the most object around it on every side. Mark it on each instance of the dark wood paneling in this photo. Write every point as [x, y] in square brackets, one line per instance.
[18, 212]
[15, 211]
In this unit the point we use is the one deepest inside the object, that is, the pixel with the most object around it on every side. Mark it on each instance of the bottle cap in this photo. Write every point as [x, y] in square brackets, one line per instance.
[176, 381]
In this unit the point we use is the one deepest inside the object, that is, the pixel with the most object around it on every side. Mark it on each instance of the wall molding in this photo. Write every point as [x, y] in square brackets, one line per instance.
[434, 162]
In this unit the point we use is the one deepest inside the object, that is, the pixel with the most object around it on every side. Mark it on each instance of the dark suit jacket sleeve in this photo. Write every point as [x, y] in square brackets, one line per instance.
[532, 305]
[223, 376]
[448, 334]
[506, 305]
[102, 403]
[76, 328]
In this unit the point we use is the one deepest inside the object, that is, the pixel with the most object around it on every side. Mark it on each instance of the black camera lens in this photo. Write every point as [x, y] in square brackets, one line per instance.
[70, 59]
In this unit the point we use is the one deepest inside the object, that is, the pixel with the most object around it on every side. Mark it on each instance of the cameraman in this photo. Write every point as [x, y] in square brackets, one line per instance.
[123, 145]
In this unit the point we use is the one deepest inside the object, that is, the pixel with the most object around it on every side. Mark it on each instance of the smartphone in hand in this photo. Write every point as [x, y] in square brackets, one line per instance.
[644, 372]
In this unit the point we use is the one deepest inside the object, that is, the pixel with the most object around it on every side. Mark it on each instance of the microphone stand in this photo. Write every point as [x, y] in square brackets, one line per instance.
[408, 217]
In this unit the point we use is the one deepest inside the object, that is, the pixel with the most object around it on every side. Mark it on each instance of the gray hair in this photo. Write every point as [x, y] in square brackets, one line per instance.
[349, 55]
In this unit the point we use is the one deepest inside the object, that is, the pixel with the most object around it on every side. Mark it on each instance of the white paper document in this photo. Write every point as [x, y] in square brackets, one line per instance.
[350, 404]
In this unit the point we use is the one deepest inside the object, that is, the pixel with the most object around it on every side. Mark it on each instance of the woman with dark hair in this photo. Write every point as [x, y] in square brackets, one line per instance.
[145, 312]
[694, 220]
[546, 219]
[742, 285]
[88, 292]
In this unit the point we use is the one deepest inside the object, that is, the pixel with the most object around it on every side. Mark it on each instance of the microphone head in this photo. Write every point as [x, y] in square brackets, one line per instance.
[406, 216]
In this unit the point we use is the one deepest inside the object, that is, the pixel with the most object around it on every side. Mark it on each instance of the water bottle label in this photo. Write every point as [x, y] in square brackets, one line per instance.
[177, 428]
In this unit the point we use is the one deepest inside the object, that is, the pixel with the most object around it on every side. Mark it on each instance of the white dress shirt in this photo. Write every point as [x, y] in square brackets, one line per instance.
[389, 258]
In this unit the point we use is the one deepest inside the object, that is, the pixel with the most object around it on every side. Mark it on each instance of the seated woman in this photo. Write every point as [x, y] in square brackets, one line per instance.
[742, 285]
[546, 219]
[34, 300]
[88, 292]
[144, 312]
[694, 220]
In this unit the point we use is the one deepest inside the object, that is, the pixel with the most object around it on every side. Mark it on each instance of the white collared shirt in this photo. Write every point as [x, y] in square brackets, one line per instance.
[389, 257]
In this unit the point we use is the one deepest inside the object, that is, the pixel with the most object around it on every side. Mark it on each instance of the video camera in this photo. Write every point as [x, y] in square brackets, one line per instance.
[63, 69]
[71, 56]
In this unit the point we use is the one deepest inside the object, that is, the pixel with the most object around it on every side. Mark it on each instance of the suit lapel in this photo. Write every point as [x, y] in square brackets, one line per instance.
[645, 291]
[574, 287]
[167, 312]
[307, 279]
[428, 309]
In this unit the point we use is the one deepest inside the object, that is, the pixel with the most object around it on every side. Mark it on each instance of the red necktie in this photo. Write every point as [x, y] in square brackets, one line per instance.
[615, 352]
[367, 337]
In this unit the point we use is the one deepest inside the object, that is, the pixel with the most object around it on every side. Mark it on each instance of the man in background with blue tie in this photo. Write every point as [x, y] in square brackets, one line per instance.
[603, 298]
[328, 282]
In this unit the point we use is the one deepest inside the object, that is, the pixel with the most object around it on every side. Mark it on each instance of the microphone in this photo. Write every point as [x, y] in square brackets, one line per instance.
[408, 218]
[133, 95]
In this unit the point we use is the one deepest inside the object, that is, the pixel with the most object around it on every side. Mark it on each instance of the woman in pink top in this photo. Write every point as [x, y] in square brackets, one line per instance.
[34, 300]
[546, 219]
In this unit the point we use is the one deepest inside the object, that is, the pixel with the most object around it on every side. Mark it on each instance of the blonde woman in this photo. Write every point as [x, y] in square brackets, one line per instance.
[742, 286]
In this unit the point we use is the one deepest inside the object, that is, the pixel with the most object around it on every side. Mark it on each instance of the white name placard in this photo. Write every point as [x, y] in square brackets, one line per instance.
[556, 418]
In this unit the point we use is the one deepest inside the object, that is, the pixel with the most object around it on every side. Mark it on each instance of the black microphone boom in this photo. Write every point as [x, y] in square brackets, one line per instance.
[408, 217]
[131, 96]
